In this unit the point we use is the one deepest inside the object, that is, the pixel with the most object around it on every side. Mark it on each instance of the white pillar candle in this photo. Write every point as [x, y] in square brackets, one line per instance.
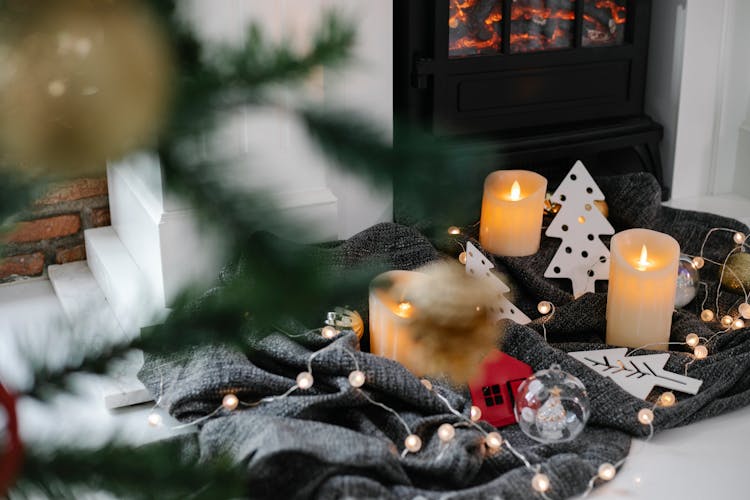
[642, 287]
[389, 318]
[512, 210]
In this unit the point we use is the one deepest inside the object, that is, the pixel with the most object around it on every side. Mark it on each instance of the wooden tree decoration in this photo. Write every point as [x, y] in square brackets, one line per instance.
[479, 266]
[582, 257]
[638, 375]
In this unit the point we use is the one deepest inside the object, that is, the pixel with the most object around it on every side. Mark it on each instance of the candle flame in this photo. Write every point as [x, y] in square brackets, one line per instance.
[643, 262]
[515, 191]
[404, 309]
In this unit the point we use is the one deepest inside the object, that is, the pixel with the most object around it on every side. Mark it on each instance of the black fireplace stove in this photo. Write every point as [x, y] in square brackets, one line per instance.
[535, 84]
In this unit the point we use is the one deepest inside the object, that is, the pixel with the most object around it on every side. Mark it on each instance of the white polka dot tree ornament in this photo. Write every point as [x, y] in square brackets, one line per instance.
[478, 265]
[582, 257]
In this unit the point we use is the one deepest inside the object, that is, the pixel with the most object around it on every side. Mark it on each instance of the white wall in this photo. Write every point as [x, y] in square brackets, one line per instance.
[699, 89]
[268, 149]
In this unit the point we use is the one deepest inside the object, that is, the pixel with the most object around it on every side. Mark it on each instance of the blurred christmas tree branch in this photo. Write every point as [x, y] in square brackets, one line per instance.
[160, 470]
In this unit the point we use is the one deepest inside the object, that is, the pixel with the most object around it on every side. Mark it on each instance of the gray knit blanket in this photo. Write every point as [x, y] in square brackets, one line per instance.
[331, 442]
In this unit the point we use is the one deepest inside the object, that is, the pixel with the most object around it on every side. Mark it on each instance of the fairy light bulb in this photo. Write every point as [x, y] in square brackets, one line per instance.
[667, 399]
[544, 307]
[744, 310]
[540, 482]
[606, 472]
[739, 238]
[462, 258]
[329, 332]
[692, 340]
[646, 416]
[230, 402]
[413, 443]
[707, 315]
[476, 414]
[727, 321]
[446, 433]
[738, 324]
[427, 384]
[700, 352]
[305, 380]
[454, 231]
[494, 441]
[154, 420]
[698, 262]
[357, 378]
[515, 191]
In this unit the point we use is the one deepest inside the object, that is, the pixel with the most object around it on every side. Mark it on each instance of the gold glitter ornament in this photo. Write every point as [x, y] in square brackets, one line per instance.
[81, 82]
[739, 276]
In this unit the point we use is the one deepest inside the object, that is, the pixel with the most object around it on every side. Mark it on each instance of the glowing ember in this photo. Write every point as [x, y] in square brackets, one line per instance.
[476, 26]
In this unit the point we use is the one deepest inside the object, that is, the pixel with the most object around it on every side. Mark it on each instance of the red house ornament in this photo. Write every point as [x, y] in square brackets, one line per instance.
[494, 389]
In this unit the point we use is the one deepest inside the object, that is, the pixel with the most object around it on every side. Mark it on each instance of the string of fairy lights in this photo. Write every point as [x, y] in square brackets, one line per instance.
[493, 441]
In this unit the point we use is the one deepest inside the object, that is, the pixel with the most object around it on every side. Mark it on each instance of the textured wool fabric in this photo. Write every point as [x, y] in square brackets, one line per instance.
[331, 442]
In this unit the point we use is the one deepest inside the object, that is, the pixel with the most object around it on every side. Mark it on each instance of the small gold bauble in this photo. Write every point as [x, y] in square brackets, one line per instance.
[739, 276]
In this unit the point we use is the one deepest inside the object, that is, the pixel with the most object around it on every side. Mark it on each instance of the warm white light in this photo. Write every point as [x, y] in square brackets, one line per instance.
[707, 315]
[462, 258]
[544, 307]
[230, 402]
[692, 340]
[446, 432]
[738, 324]
[305, 380]
[493, 441]
[727, 321]
[645, 416]
[404, 309]
[56, 88]
[745, 310]
[540, 482]
[739, 238]
[427, 384]
[515, 191]
[700, 352]
[476, 413]
[154, 420]
[643, 262]
[329, 332]
[667, 400]
[413, 443]
[454, 230]
[607, 472]
[357, 378]
[698, 262]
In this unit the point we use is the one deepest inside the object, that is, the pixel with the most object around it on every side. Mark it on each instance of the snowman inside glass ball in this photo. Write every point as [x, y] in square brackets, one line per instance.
[552, 406]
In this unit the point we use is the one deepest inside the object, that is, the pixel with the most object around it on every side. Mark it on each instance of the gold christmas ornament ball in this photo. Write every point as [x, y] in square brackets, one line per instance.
[450, 321]
[81, 82]
[739, 276]
[707, 315]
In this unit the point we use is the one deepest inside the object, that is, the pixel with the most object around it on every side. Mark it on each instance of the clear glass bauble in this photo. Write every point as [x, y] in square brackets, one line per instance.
[552, 406]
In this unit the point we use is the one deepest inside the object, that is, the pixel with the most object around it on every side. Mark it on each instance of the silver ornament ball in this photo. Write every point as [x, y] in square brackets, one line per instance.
[687, 282]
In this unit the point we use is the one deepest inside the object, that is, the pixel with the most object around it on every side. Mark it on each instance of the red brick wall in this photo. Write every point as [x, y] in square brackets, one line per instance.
[52, 231]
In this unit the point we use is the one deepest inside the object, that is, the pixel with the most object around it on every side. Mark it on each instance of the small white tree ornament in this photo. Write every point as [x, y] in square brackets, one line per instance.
[582, 257]
[638, 375]
[479, 266]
